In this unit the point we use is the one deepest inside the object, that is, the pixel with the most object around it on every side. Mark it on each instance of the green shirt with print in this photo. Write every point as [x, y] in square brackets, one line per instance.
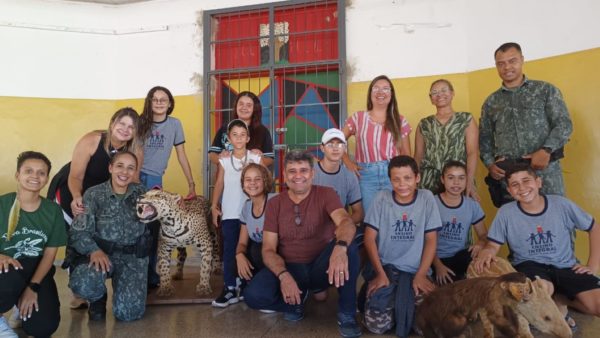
[35, 231]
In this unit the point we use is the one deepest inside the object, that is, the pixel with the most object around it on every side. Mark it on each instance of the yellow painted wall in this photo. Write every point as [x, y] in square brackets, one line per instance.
[53, 126]
[578, 77]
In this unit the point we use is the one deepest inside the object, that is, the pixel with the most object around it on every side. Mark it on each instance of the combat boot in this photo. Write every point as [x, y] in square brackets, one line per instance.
[97, 309]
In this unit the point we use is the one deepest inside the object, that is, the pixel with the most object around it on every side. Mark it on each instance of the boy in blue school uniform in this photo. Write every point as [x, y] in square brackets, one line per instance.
[538, 230]
[400, 239]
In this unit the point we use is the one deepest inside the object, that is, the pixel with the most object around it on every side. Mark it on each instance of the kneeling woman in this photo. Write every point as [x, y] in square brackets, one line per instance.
[31, 230]
[115, 244]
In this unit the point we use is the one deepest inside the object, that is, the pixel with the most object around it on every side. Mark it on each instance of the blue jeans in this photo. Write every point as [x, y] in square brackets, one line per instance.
[263, 291]
[150, 182]
[230, 229]
[373, 178]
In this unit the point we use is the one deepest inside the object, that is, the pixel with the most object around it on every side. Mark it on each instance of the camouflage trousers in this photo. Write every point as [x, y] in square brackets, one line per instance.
[552, 179]
[129, 281]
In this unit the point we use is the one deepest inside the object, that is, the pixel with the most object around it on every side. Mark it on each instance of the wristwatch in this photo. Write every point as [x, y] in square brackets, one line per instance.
[35, 287]
[342, 243]
[547, 149]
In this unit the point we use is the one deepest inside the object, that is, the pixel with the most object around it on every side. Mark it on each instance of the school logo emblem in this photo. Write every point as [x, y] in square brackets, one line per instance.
[540, 241]
[452, 230]
[404, 230]
[156, 140]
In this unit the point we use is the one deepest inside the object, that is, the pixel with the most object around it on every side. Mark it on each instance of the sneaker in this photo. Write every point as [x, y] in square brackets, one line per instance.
[240, 293]
[228, 296]
[298, 313]
[348, 326]
[97, 309]
[5, 330]
[14, 321]
[266, 311]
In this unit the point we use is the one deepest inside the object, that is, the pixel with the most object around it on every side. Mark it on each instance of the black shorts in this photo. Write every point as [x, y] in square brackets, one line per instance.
[458, 264]
[565, 280]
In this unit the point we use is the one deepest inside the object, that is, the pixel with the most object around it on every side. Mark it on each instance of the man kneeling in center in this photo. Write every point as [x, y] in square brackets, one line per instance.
[307, 245]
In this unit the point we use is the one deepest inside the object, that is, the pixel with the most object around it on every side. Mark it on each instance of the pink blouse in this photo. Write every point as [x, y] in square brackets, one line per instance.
[373, 142]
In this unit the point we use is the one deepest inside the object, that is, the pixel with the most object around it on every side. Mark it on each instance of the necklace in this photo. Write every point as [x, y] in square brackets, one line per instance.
[244, 160]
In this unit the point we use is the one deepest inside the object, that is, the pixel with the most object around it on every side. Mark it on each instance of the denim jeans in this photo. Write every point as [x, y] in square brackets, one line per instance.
[263, 291]
[230, 229]
[151, 181]
[373, 178]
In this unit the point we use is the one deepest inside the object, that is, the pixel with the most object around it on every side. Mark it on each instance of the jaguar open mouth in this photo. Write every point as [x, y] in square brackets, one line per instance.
[146, 212]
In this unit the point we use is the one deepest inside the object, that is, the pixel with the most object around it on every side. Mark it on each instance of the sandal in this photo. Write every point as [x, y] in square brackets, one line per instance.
[571, 322]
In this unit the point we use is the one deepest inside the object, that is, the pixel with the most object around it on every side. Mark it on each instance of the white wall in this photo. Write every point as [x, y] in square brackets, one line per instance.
[401, 38]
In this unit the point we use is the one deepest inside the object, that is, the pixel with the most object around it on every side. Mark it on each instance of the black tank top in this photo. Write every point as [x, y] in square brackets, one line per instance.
[96, 172]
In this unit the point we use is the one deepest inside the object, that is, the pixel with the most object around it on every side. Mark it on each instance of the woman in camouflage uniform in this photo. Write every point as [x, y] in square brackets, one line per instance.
[114, 242]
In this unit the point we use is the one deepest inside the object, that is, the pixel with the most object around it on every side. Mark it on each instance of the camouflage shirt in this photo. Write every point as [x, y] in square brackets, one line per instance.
[108, 216]
[519, 121]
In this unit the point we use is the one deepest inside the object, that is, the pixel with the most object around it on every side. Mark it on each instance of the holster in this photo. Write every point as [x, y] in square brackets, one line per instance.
[498, 192]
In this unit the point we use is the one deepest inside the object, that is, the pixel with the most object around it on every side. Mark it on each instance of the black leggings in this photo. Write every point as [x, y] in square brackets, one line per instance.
[44, 322]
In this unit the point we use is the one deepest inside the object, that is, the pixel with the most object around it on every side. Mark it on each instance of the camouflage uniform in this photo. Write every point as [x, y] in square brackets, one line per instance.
[519, 121]
[112, 218]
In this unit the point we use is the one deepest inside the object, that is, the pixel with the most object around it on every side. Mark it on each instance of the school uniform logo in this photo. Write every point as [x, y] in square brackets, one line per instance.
[452, 230]
[404, 230]
[156, 140]
[540, 241]
[257, 235]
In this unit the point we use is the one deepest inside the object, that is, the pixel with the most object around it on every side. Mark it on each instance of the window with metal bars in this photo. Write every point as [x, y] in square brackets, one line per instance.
[292, 56]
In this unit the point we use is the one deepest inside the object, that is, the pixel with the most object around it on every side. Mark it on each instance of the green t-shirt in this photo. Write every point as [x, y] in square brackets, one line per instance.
[35, 231]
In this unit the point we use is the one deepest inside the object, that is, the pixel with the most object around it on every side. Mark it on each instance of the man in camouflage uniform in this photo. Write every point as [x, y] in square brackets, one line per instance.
[111, 230]
[524, 120]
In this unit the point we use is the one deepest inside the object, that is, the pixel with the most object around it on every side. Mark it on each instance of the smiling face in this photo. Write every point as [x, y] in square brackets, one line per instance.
[441, 94]
[454, 180]
[32, 175]
[525, 187]
[254, 184]
[510, 67]
[160, 105]
[122, 171]
[404, 182]
[244, 109]
[298, 177]
[122, 130]
[381, 93]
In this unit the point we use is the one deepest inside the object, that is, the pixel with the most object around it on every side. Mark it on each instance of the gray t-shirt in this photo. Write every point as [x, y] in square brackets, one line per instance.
[254, 224]
[456, 225]
[544, 238]
[164, 136]
[402, 227]
[344, 182]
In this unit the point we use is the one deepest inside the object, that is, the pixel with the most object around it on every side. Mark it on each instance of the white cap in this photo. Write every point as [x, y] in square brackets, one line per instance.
[332, 133]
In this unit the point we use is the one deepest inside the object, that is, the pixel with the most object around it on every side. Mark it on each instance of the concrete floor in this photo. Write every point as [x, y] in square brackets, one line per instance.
[202, 320]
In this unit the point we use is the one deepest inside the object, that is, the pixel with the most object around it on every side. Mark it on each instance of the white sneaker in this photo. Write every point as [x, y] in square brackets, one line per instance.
[5, 330]
[14, 321]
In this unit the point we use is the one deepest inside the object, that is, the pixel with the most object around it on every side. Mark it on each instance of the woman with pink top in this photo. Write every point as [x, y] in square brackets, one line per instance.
[381, 133]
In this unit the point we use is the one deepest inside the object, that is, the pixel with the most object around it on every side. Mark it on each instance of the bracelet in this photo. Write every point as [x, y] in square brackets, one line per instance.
[281, 273]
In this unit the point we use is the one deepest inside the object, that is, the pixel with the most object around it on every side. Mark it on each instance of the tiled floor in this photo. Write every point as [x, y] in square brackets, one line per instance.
[202, 320]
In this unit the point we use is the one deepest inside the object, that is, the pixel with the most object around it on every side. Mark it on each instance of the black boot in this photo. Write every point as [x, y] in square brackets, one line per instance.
[97, 310]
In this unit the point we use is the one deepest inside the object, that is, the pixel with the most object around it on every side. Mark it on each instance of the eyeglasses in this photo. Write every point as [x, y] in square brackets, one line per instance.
[297, 218]
[161, 101]
[335, 145]
[439, 92]
[385, 90]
